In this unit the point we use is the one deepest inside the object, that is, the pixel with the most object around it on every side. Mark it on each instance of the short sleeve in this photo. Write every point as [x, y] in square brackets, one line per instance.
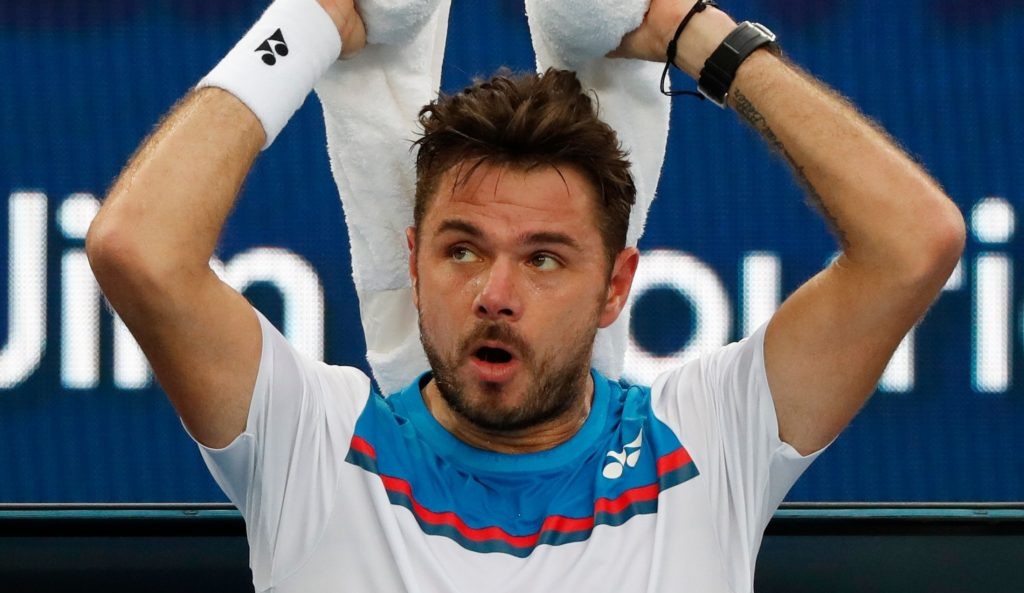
[282, 471]
[727, 420]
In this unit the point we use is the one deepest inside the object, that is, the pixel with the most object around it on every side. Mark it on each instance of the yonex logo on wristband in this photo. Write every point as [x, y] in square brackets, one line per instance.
[273, 90]
[272, 47]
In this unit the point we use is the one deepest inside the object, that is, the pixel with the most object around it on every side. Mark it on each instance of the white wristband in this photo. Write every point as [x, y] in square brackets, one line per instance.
[275, 65]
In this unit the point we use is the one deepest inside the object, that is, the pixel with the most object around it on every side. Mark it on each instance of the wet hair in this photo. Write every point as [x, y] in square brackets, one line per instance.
[526, 121]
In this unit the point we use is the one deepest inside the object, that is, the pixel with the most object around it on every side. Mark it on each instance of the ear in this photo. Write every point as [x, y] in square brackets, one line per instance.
[410, 240]
[619, 284]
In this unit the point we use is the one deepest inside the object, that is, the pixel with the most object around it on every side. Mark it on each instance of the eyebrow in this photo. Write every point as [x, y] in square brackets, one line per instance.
[454, 225]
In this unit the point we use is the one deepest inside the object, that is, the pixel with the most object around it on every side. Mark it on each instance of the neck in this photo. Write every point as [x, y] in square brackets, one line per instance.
[540, 437]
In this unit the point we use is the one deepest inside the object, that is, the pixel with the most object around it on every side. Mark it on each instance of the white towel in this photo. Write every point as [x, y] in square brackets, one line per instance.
[578, 31]
[576, 34]
[369, 132]
[370, 105]
[396, 22]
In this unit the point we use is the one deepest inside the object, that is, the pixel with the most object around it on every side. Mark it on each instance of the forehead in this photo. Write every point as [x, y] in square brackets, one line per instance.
[516, 197]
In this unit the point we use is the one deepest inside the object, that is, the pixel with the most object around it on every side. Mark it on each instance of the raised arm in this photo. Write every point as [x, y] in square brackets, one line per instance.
[828, 344]
[151, 243]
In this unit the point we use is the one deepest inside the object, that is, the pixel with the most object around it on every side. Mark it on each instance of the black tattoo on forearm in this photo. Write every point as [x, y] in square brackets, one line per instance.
[752, 116]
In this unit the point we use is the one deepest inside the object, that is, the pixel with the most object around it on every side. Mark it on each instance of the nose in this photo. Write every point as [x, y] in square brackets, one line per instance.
[498, 297]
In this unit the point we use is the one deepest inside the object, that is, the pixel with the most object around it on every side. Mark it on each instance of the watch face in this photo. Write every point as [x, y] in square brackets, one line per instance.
[767, 32]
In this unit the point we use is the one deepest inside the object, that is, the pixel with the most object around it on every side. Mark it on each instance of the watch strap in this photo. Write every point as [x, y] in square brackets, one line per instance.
[720, 69]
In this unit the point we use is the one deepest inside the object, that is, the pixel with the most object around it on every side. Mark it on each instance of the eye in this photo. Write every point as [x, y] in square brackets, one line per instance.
[544, 262]
[462, 254]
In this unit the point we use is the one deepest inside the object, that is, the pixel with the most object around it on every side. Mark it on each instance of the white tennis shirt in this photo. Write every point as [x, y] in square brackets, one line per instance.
[667, 488]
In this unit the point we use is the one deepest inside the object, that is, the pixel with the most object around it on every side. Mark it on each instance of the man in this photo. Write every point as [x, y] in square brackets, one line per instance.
[512, 466]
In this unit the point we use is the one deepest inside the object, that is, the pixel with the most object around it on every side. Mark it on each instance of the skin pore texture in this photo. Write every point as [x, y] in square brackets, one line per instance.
[512, 282]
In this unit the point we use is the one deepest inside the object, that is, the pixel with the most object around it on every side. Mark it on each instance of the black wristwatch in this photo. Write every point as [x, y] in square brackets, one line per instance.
[720, 69]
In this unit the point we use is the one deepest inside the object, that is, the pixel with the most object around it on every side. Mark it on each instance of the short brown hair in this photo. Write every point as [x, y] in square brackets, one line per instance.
[527, 121]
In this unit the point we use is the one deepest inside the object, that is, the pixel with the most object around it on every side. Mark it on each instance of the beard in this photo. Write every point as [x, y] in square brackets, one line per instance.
[556, 383]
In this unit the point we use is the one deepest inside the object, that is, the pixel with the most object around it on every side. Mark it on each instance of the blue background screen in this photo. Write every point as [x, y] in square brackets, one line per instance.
[84, 82]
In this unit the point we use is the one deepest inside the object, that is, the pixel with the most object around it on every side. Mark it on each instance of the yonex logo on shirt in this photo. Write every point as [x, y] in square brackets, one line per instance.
[272, 47]
[629, 456]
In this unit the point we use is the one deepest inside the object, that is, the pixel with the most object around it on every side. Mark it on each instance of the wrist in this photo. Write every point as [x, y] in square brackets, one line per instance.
[349, 25]
[275, 65]
[699, 39]
[721, 69]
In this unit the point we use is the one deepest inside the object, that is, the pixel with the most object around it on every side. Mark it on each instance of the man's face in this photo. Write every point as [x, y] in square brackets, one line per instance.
[512, 282]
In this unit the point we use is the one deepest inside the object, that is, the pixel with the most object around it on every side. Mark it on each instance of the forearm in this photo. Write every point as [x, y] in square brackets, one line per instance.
[828, 343]
[163, 216]
[151, 242]
[890, 217]
[887, 213]
[162, 219]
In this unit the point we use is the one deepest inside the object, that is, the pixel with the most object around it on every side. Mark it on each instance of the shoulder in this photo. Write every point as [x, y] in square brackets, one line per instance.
[282, 364]
[734, 367]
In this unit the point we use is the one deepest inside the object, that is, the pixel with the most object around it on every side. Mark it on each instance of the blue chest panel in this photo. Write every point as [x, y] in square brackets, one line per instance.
[613, 469]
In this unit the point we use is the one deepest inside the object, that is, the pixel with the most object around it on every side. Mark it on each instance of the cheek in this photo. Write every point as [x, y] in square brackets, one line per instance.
[573, 314]
[438, 302]
[433, 325]
[593, 306]
[449, 286]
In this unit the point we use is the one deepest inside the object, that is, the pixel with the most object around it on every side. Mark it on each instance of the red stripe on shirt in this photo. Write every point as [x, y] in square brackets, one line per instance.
[554, 523]
[622, 501]
[361, 445]
[673, 461]
[452, 520]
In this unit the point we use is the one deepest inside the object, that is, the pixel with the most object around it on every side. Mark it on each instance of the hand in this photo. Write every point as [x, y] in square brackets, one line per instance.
[650, 39]
[350, 25]
[701, 36]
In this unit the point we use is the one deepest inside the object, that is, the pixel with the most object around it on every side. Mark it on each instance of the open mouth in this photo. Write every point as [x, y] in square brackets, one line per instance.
[493, 355]
[494, 364]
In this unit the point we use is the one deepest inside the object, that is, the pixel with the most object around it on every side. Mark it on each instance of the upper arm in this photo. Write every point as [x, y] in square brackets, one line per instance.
[830, 341]
[150, 246]
[204, 344]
